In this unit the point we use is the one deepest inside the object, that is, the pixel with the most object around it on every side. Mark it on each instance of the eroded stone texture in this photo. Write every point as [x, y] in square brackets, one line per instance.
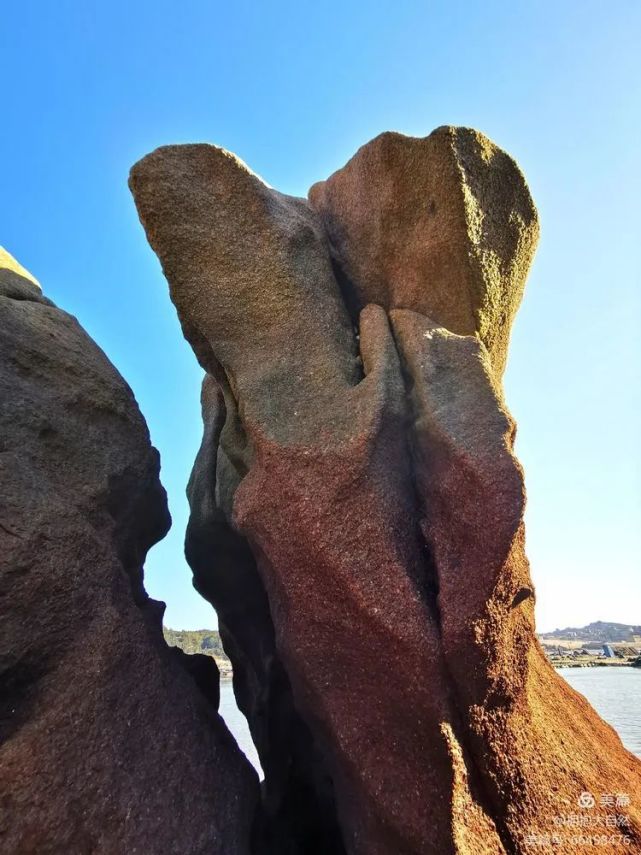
[358, 493]
[444, 225]
[535, 741]
[256, 260]
[264, 259]
[298, 804]
[107, 744]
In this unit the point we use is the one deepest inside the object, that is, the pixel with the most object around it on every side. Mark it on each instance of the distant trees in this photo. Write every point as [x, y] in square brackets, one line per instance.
[205, 641]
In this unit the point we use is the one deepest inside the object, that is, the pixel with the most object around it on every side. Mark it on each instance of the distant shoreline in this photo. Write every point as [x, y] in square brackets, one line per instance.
[608, 663]
[583, 647]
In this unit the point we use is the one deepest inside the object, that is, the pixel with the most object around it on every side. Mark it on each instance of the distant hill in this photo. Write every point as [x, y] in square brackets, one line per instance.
[205, 641]
[598, 631]
[208, 641]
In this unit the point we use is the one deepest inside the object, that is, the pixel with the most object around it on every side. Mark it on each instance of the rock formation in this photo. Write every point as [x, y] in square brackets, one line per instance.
[357, 510]
[110, 741]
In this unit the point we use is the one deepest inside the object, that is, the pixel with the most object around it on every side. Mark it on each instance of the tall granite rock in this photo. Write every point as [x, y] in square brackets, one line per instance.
[110, 741]
[357, 510]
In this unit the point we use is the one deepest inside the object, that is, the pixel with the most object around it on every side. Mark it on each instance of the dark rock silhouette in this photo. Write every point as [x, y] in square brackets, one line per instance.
[110, 742]
[357, 510]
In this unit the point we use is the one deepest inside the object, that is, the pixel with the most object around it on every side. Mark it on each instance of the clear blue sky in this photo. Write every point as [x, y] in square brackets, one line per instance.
[294, 88]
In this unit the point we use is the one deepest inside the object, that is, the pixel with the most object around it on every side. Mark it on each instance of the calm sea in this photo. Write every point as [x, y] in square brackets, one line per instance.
[237, 723]
[615, 693]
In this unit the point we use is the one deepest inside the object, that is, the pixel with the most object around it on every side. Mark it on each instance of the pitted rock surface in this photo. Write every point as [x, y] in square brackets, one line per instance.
[110, 741]
[357, 509]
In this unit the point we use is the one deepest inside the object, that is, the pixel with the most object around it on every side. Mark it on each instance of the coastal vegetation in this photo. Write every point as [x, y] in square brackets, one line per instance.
[205, 641]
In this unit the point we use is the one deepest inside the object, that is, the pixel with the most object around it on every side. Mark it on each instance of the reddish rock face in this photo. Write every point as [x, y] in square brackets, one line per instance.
[357, 511]
[110, 741]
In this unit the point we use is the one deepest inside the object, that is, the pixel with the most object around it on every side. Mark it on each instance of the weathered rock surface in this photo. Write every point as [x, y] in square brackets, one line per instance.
[444, 225]
[107, 745]
[472, 497]
[298, 803]
[356, 505]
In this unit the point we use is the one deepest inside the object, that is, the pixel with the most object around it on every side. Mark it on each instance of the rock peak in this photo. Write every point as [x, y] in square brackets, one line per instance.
[443, 225]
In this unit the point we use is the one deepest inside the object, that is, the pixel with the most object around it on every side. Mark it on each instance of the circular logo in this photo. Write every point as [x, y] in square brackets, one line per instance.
[586, 800]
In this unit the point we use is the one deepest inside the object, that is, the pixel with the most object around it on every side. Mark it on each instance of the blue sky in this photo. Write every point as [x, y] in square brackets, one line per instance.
[294, 89]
